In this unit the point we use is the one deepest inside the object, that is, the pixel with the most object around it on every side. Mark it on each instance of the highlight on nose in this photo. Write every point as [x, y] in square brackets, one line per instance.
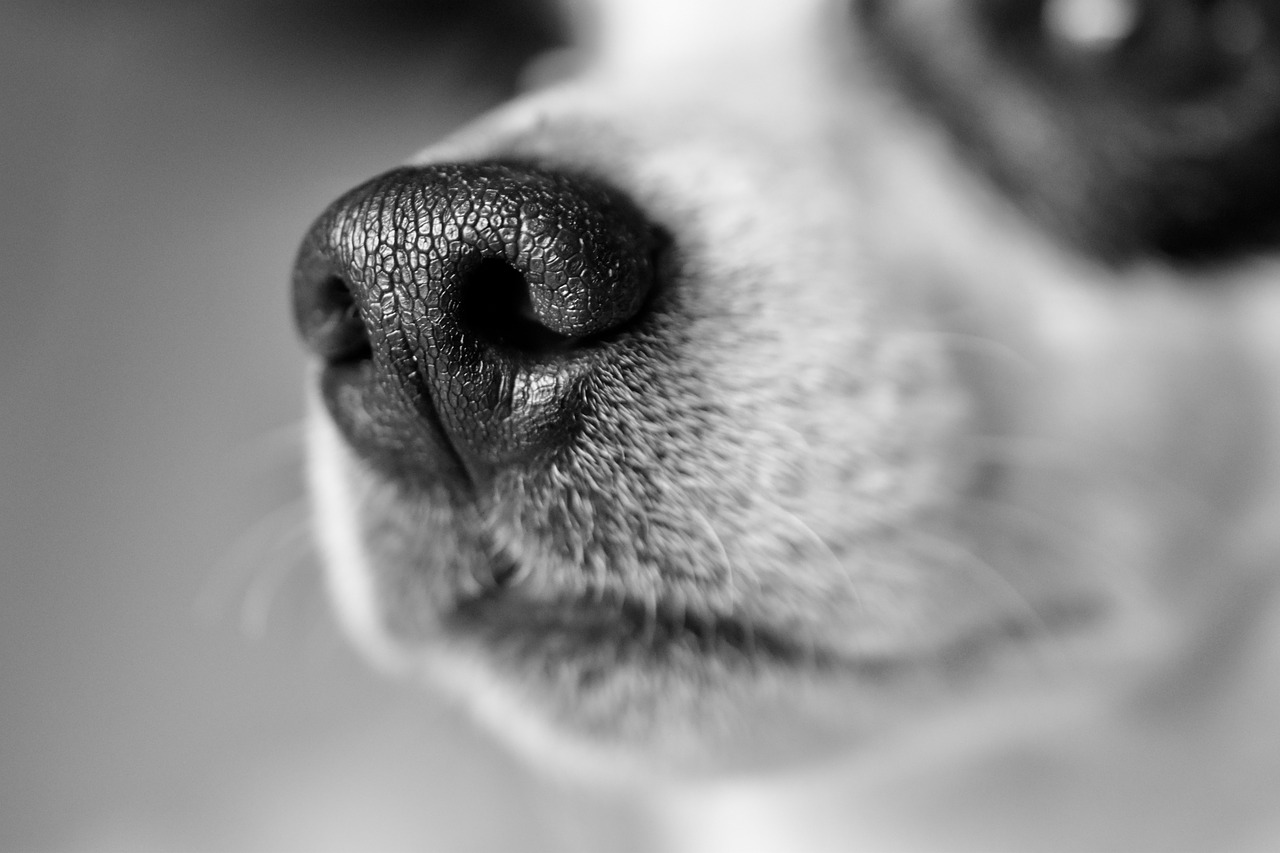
[457, 309]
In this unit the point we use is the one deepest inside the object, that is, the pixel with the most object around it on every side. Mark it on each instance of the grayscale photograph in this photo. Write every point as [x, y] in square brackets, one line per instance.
[640, 426]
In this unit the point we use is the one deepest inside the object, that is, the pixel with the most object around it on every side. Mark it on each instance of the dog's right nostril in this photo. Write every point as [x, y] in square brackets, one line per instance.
[334, 325]
[474, 299]
[498, 308]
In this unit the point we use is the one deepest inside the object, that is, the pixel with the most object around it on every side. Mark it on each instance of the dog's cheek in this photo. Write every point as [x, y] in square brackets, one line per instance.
[1121, 402]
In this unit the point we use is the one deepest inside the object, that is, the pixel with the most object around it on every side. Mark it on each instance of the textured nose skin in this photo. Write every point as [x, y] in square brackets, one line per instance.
[459, 307]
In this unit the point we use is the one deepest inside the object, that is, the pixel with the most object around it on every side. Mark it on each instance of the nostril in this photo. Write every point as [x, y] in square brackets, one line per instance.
[345, 336]
[330, 318]
[497, 308]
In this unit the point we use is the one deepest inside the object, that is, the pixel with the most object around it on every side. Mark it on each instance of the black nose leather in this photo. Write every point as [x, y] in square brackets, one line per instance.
[459, 309]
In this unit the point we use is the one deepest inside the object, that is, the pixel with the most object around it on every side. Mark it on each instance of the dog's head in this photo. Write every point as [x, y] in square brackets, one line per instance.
[798, 370]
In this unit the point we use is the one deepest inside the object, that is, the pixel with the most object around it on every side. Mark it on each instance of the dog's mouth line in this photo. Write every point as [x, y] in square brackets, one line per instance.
[503, 609]
[656, 629]
[656, 625]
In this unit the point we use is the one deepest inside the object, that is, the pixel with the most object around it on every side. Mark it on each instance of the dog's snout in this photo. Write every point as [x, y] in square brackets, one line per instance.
[459, 308]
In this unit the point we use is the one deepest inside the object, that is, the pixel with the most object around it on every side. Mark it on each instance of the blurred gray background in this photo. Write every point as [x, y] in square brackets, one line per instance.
[169, 675]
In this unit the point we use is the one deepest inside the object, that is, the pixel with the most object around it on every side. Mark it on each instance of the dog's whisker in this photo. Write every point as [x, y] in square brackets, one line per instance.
[290, 552]
[1176, 497]
[989, 348]
[953, 554]
[722, 554]
[282, 534]
[1047, 531]
[837, 565]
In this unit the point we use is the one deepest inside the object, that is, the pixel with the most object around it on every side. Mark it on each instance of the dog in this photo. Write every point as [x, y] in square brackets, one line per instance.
[851, 425]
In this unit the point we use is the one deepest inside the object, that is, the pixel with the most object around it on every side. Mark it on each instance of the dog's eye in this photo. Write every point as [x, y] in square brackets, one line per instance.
[1171, 30]
[1091, 26]
[1128, 127]
[1168, 49]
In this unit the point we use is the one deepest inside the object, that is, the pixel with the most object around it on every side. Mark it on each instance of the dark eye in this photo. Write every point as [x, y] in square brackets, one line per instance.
[1129, 128]
[1174, 49]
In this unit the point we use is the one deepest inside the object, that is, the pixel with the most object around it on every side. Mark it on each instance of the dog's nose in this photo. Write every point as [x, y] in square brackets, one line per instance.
[460, 309]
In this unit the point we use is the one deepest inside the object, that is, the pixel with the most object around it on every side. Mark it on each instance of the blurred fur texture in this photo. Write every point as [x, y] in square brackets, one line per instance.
[935, 499]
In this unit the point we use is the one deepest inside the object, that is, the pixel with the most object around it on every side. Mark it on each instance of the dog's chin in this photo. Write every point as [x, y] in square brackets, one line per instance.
[626, 688]
[594, 690]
